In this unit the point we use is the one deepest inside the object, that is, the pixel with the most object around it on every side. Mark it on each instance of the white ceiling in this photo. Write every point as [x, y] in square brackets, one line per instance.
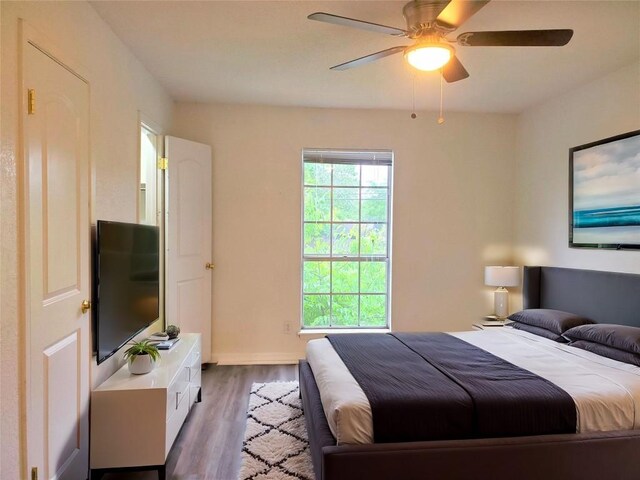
[267, 52]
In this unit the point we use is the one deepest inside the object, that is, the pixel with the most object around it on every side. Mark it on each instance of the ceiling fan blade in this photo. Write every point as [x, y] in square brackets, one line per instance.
[368, 58]
[454, 71]
[459, 11]
[517, 38]
[352, 22]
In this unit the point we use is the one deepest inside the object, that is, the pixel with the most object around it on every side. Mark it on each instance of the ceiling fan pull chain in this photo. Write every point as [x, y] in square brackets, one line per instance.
[441, 117]
[413, 80]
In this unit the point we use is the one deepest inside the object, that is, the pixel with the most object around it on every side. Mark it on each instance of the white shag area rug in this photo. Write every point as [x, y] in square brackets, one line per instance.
[275, 443]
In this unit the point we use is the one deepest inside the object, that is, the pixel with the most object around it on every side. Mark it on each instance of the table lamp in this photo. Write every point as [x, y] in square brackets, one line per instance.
[501, 277]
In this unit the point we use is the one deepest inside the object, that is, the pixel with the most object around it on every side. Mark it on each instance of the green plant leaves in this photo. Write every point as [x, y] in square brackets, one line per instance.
[345, 245]
[143, 347]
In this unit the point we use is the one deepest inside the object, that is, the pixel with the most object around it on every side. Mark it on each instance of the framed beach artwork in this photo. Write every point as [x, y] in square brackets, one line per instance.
[604, 193]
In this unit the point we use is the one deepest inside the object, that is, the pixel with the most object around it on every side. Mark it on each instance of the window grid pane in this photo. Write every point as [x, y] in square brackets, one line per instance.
[315, 286]
[316, 204]
[331, 255]
[356, 258]
[360, 239]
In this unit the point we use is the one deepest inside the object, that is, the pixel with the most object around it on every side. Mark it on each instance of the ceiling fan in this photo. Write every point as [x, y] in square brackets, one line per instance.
[428, 24]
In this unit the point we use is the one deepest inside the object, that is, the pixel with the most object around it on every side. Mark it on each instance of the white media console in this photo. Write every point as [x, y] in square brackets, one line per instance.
[136, 418]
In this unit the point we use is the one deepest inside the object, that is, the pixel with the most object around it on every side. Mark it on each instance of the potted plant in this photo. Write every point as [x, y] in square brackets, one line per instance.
[142, 357]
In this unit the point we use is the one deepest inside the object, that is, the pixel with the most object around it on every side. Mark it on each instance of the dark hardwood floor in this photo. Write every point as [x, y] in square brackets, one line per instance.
[208, 446]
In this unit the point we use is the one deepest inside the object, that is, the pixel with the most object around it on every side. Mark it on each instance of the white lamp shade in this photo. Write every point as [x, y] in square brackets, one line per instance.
[502, 276]
[429, 56]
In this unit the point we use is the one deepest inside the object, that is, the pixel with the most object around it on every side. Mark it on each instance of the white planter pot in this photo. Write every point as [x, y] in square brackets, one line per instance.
[141, 364]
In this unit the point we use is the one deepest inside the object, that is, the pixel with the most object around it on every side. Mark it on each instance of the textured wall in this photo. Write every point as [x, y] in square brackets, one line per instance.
[120, 87]
[451, 215]
[600, 109]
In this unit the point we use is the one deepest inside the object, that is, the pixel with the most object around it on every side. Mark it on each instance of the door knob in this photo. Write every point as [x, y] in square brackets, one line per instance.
[86, 306]
[209, 266]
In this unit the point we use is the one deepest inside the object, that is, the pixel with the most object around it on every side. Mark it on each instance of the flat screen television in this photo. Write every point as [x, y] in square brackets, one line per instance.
[126, 283]
[604, 193]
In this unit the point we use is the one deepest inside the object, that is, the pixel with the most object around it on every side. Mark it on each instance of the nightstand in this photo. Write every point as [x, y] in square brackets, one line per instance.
[490, 322]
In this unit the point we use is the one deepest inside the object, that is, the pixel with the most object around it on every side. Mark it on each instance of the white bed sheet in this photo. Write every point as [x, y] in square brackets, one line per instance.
[606, 392]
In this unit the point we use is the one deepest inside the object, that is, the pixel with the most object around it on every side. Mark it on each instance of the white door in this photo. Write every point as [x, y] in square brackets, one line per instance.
[57, 233]
[188, 233]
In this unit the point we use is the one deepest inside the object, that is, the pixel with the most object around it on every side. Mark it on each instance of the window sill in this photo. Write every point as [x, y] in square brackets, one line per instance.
[324, 331]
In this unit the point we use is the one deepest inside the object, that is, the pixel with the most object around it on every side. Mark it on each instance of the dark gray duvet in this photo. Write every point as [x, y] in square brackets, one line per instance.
[433, 386]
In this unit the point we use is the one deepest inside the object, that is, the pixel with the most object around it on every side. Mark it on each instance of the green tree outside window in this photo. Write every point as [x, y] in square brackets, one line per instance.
[346, 260]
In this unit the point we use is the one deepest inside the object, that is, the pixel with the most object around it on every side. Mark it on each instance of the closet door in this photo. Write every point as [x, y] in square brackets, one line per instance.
[188, 238]
[57, 234]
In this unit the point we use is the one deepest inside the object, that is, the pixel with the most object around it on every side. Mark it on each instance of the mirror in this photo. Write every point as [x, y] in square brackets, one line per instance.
[148, 189]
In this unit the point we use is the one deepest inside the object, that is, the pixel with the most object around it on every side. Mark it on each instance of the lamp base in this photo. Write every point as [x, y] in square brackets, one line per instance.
[501, 303]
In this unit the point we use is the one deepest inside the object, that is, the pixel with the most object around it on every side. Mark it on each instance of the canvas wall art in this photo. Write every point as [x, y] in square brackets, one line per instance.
[604, 197]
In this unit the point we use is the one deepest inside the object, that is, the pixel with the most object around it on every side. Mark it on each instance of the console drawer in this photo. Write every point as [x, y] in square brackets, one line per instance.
[194, 387]
[177, 391]
[195, 365]
[177, 419]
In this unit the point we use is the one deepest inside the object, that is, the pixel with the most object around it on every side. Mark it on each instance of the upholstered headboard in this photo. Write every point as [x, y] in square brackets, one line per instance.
[605, 297]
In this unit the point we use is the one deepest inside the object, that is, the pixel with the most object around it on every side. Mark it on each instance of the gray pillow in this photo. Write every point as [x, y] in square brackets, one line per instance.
[539, 331]
[621, 337]
[609, 352]
[555, 321]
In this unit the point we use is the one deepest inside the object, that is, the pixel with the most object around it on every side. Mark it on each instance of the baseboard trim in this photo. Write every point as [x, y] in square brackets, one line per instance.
[255, 359]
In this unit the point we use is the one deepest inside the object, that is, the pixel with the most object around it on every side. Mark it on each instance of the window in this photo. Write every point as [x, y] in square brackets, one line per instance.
[346, 233]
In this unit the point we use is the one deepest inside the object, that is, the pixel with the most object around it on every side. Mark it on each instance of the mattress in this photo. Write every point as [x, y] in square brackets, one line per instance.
[606, 393]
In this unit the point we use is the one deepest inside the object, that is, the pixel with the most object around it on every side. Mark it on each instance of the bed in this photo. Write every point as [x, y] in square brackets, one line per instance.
[603, 296]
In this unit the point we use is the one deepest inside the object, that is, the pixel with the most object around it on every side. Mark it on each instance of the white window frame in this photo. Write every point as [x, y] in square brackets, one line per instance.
[350, 157]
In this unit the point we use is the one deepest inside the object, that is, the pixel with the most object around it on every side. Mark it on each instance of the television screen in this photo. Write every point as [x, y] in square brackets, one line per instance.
[126, 283]
[605, 193]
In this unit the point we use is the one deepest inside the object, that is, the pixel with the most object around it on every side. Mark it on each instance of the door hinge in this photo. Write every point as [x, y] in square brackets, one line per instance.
[34, 473]
[163, 162]
[31, 102]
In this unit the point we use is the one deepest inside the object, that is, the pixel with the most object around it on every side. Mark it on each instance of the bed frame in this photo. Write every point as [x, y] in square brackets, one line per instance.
[605, 297]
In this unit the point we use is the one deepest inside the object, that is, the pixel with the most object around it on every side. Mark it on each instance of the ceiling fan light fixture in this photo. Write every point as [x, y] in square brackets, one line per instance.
[429, 56]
